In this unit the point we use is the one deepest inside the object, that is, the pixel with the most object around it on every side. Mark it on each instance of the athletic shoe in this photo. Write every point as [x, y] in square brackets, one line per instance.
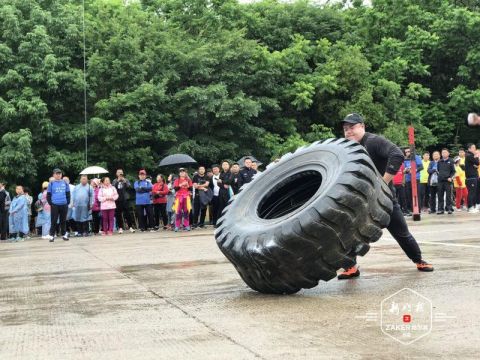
[51, 238]
[176, 229]
[424, 266]
[450, 212]
[458, 209]
[65, 237]
[353, 272]
[187, 228]
[440, 212]
[473, 210]
[152, 230]
[120, 231]
[132, 230]
[110, 233]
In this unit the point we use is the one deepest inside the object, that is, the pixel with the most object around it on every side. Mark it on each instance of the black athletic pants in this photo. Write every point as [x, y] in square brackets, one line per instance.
[199, 212]
[122, 215]
[96, 222]
[215, 204]
[445, 187]
[400, 195]
[472, 185]
[145, 216]
[58, 212]
[423, 196]
[398, 228]
[160, 211]
[4, 225]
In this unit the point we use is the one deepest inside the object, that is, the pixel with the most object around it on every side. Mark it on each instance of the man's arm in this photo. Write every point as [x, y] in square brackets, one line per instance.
[386, 149]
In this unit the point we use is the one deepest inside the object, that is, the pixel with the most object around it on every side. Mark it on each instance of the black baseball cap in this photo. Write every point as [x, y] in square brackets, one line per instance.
[353, 118]
[57, 171]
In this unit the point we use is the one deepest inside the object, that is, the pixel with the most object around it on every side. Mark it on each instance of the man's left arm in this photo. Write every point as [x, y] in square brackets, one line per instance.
[385, 148]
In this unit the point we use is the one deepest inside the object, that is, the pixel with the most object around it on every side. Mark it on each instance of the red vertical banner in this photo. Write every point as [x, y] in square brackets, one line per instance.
[413, 174]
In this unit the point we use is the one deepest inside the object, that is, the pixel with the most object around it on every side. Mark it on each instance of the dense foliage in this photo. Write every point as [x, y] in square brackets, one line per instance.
[218, 79]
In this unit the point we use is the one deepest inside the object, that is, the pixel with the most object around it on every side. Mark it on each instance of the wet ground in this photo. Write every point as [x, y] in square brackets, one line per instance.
[175, 296]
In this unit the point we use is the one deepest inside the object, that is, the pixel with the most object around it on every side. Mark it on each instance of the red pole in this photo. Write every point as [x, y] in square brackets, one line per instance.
[413, 173]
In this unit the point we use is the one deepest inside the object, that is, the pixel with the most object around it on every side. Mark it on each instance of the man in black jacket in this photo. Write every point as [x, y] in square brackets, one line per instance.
[446, 174]
[387, 158]
[247, 172]
[122, 211]
[471, 174]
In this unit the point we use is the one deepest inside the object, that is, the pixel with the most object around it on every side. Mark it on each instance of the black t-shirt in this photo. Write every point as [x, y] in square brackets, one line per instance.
[386, 156]
[200, 180]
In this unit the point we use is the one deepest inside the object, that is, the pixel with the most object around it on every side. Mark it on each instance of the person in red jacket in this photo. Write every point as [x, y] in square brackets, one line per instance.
[183, 204]
[159, 196]
[398, 184]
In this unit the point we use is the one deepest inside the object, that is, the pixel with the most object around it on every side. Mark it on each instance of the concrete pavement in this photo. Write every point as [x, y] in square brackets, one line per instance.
[175, 296]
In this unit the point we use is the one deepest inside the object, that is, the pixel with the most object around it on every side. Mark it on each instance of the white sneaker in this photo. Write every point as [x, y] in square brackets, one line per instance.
[458, 209]
[120, 231]
[132, 230]
[473, 210]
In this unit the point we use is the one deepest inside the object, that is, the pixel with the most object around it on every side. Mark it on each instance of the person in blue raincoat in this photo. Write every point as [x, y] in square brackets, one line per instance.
[82, 201]
[18, 219]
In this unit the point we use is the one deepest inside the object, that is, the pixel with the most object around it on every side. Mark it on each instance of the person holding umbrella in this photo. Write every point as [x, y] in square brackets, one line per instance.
[143, 188]
[183, 205]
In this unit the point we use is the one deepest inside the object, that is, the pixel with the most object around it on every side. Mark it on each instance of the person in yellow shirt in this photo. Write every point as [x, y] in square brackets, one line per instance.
[424, 189]
[461, 192]
[461, 155]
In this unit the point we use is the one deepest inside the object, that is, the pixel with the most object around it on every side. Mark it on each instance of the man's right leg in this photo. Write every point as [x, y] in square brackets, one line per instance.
[119, 216]
[214, 210]
[141, 217]
[441, 197]
[196, 210]
[54, 213]
[3, 225]
[472, 190]
[62, 212]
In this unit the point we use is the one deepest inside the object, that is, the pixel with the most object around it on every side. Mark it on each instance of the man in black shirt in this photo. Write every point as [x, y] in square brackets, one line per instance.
[446, 173]
[387, 158]
[200, 184]
[471, 175]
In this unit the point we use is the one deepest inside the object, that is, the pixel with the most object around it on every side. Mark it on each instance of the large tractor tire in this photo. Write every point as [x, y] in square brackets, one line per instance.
[304, 217]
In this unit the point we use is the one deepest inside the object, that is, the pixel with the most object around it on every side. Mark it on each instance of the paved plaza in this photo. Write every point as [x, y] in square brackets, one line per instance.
[175, 296]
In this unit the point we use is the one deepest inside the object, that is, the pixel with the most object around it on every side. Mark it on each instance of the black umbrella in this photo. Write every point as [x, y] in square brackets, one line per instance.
[241, 162]
[177, 160]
